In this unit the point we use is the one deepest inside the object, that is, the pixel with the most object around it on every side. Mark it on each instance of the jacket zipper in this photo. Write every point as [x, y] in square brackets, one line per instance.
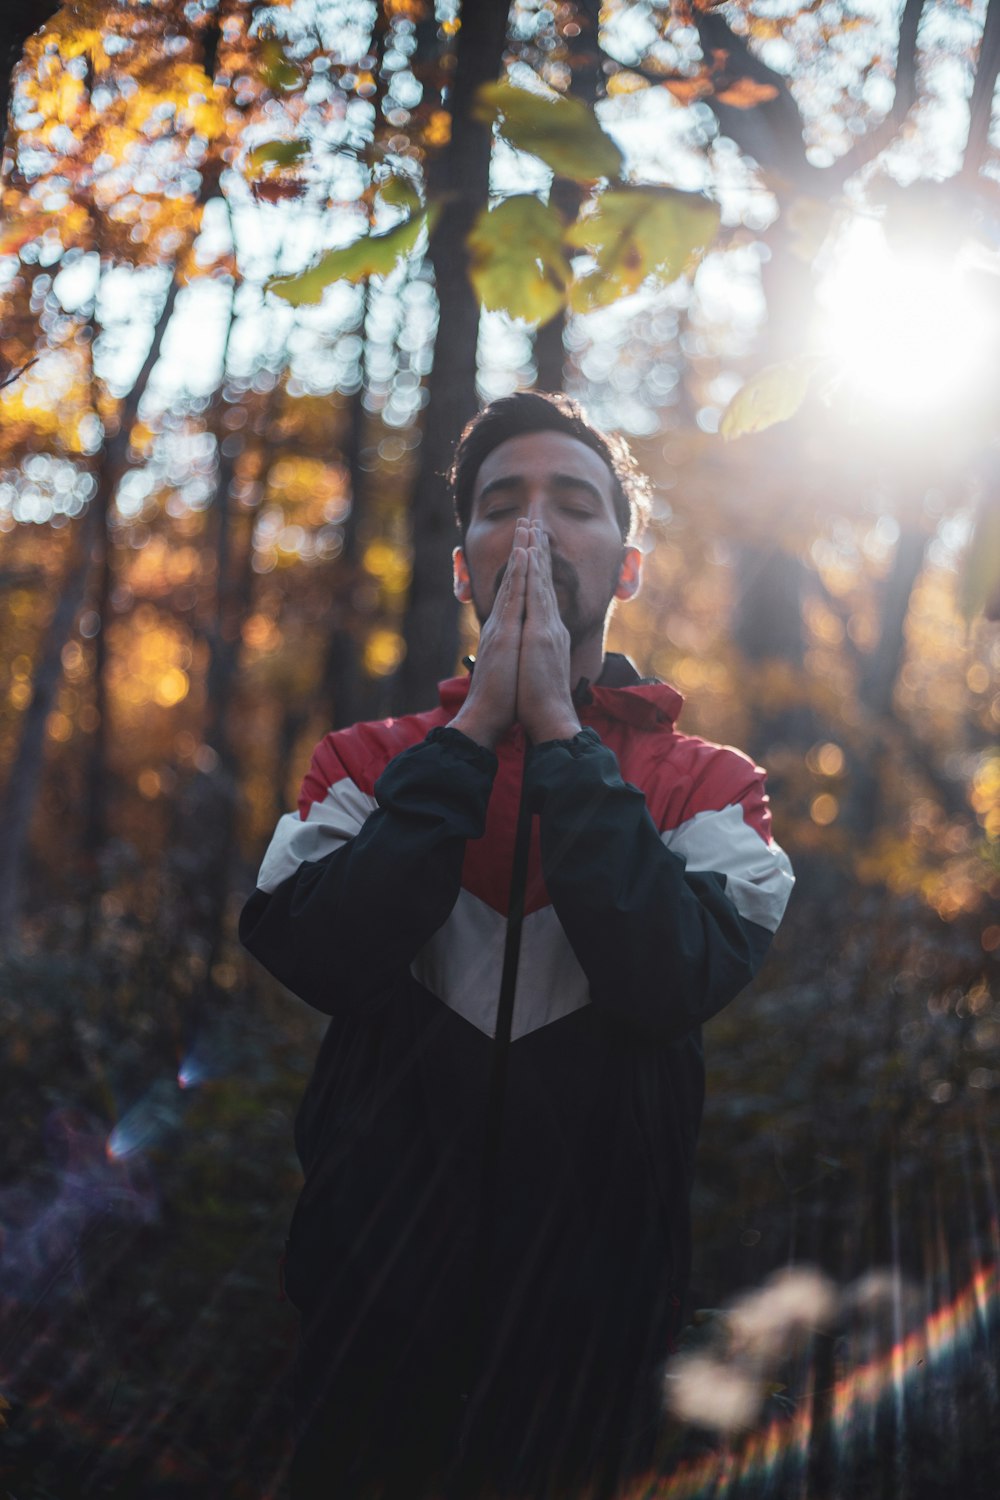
[495, 1097]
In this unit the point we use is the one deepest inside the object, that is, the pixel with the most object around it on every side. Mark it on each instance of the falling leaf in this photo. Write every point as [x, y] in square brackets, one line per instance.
[745, 93]
[562, 131]
[517, 263]
[633, 233]
[773, 395]
[372, 255]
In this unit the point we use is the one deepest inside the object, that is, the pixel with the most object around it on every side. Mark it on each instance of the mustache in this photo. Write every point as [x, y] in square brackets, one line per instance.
[562, 573]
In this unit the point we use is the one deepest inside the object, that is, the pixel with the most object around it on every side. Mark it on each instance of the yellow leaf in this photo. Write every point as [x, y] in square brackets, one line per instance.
[625, 82]
[562, 131]
[633, 233]
[773, 395]
[517, 263]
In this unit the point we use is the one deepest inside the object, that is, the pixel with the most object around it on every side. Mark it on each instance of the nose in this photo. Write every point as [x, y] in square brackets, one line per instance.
[537, 509]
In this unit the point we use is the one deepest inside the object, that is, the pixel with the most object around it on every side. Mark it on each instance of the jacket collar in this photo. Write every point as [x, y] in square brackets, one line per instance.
[619, 693]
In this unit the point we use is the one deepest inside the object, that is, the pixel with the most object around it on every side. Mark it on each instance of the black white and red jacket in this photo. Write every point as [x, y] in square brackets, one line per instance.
[651, 893]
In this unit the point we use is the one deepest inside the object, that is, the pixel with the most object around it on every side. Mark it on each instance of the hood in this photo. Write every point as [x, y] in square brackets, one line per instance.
[619, 693]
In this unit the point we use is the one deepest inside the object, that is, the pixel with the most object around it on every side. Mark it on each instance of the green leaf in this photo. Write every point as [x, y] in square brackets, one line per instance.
[399, 192]
[979, 586]
[372, 255]
[562, 131]
[633, 233]
[516, 260]
[773, 395]
[278, 73]
[275, 154]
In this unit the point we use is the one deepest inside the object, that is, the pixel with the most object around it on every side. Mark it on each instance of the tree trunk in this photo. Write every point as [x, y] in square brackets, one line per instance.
[21, 792]
[877, 685]
[344, 692]
[566, 196]
[461, 179]
[95, 828]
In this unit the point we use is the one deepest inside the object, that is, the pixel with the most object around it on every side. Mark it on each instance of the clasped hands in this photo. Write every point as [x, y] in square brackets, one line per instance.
[523, 661]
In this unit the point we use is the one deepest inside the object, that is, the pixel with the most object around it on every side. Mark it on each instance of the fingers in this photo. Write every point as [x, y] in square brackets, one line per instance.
[540, 588]
[510, 590]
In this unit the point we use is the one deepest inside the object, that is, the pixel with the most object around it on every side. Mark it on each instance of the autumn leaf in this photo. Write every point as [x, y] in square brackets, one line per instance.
[633, 233]
[745, 93]
[625, 82]
[562, 131]
[979, 587]
[371, 255]
[517, 263]
[688, 90]
[773, 395]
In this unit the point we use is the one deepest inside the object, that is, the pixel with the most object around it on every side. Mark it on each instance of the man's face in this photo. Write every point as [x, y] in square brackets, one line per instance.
[553, 478]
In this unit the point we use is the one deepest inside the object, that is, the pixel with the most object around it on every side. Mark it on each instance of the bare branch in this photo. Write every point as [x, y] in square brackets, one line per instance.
[877, 139]
[772, 131]
[13, 375]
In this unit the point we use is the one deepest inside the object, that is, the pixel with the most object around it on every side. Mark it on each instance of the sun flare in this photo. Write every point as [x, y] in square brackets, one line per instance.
[906, 330]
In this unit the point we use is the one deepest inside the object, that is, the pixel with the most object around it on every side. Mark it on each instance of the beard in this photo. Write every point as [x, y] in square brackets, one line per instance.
[582, 622]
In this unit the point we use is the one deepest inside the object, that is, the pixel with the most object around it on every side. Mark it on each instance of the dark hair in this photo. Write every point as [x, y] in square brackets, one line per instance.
[532, 411]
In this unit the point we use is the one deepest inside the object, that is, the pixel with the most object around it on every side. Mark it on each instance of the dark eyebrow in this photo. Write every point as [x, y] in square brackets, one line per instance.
[506, 482]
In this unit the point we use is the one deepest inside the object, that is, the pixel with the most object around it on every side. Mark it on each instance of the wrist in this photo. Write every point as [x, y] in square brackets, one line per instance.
[470, 724]
[561, 727]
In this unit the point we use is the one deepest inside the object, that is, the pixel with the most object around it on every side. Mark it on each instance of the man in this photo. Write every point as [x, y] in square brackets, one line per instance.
[517, 909]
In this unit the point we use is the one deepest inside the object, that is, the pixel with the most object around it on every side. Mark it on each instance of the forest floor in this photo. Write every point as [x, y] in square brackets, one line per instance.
[148, 1177]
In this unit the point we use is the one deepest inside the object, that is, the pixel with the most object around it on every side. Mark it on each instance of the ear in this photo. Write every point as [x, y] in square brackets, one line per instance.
[630, 577]
[462, 581]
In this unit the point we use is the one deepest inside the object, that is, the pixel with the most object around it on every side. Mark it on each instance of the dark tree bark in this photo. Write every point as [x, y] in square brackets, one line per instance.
[983, 89]
[20, 794]
[588, 76]
[21, 791]
[461, 179]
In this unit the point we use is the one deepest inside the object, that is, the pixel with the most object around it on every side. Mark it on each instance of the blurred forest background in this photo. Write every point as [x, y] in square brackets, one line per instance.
[258, 264]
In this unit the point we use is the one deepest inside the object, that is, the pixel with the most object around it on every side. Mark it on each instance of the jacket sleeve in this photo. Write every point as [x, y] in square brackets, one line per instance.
[352, 888]
[668, 927]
